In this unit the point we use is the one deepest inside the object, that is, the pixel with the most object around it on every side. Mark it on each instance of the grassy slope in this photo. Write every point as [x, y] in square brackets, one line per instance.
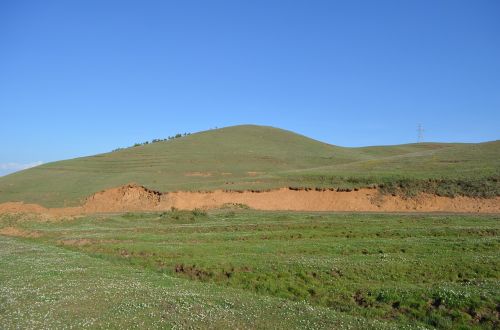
[407, 270]
[227, 157]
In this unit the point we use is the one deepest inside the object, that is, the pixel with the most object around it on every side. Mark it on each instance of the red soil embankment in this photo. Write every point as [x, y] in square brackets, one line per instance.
[328, 200]
[137, 198]
[125, 198]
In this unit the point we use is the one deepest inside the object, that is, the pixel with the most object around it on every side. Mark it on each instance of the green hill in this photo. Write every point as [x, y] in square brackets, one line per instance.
[260, 157]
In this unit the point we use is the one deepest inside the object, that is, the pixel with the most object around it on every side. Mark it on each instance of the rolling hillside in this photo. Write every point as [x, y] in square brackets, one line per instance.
[257, 157]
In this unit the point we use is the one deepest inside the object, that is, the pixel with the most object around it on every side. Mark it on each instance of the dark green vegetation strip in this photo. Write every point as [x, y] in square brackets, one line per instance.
[258, 158]
[483, 187]
[422, 270]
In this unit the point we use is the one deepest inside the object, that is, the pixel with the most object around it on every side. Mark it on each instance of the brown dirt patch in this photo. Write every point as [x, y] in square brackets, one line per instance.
[16, 232]
[87, 241]
[251, 173]
[329, 200]
[20, 207]
[133, 197]
[75, 242]
[202, 174]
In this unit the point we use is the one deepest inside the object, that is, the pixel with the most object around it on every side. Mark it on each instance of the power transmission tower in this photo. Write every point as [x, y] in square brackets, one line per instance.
[420, 133]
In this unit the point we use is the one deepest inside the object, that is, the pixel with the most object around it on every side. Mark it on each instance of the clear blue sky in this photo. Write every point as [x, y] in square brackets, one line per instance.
[84, 77]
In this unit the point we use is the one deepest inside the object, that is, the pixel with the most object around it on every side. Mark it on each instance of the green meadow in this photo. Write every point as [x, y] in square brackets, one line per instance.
[241, 268]
[259, 158]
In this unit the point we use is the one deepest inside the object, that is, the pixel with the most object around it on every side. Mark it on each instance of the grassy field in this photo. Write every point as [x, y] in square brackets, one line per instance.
[46, 287]
[249, 269]
[258, 157]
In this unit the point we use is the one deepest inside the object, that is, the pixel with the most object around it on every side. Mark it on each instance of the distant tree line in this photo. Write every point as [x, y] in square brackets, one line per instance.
[176, 136]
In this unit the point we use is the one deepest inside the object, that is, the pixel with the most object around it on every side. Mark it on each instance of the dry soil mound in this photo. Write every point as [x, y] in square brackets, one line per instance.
[131, 197]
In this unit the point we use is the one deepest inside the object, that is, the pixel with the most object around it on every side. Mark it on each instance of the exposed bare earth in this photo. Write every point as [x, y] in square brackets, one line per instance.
[137, 198]
[16, 232]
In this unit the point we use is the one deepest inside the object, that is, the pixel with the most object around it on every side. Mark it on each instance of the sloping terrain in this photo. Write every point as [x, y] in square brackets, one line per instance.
[256, 157]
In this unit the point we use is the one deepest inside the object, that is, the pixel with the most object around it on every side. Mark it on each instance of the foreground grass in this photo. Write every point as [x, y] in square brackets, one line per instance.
[46, 287]
[329, 270]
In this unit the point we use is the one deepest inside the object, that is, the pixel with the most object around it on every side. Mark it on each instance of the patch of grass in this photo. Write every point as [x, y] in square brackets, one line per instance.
[482, 188]
[199, 213]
